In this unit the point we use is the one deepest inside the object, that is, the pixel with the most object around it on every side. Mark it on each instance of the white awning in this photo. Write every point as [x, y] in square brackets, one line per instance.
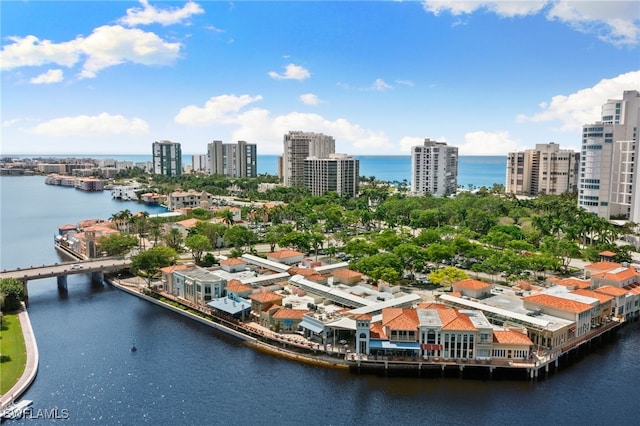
[316, 329]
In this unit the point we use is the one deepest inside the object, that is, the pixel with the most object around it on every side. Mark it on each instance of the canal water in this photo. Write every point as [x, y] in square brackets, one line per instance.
[186, 373]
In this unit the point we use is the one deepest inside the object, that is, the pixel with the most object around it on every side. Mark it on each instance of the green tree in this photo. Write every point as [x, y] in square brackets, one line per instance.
[198, 244]
[174, 239]
[13, 293]
[122, 219]
[239, 236]
[149, 262]
[447, 276]
[116, 244]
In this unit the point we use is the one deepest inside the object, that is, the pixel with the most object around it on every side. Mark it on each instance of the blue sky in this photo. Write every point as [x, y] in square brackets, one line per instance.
[91, 77]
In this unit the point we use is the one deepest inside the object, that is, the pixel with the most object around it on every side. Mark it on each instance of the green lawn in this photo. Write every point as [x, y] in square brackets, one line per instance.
[13, 352]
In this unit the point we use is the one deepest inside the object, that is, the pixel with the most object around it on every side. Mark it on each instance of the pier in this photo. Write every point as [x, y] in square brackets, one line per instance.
[538, 366]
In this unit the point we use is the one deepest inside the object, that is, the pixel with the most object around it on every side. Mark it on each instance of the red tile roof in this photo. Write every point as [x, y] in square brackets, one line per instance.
[574, 282]
[602, 297]
[511, 337]
[558, 303]
[265, 297]
[283, 254]
[285, 313]
[171, 268]
[611, 290]
[236, 286]
[406, 319]
[603, 266]
[470, 283]
[232, 261]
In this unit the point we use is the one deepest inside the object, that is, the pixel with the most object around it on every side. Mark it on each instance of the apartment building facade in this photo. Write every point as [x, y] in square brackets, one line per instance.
[167, 158]
[339, 173]
[434, 168]
[298, 146]
[232, 159]
[609, 182]
[547, 169]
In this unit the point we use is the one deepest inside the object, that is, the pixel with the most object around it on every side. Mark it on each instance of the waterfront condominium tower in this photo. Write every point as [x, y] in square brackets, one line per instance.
[233, 159]
[547, 169]
[434, 168]
[297, 147]
[167, 158]
[339, 173]
[609, 183]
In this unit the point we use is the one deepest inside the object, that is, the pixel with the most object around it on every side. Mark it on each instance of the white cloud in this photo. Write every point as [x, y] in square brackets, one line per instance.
[616, 22]
[292, 72]
[219, 109]
[309, 99]
[92, 126]
[31, 51]
[380, 85]
[150, 15]
[583, 106]
[51, 76]
[489, 143]
[258, 124]
[408, 142]
[105, 47]
[407, 83]
[112, 45]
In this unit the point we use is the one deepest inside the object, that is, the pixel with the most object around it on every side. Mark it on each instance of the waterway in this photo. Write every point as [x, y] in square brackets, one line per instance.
[186, 373]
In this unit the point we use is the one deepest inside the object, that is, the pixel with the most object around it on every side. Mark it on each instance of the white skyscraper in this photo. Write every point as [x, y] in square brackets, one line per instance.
[297, 147]
[609, 183]
[434, 168]
[339, 173]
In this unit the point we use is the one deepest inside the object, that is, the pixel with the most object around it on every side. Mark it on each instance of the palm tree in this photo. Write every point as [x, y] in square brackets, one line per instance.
[121, 219]
[227, 217]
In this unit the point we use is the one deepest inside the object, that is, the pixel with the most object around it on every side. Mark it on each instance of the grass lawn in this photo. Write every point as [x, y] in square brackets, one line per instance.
[13, 352]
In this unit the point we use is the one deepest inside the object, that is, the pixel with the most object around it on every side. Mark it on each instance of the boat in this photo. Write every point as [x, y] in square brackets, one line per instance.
[16, 410]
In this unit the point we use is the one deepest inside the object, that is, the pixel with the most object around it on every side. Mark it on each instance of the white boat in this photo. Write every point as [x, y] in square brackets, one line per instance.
[16, 410]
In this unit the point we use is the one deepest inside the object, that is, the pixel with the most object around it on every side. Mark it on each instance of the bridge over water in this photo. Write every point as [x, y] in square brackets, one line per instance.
[95, 267]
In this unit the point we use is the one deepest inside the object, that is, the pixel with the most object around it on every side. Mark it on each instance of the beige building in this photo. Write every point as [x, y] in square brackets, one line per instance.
[298, 146]
[609, 179]
[434, 168]
[547, 169]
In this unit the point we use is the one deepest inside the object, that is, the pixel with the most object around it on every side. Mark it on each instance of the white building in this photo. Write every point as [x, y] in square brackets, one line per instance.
[339, 173]
[199, 163]
[298, 146]
[232, 159]
[609, 183]
[167, 158]
[434, 168]
[547, 169]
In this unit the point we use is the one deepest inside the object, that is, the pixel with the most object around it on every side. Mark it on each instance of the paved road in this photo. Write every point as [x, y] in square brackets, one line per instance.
[79, 267]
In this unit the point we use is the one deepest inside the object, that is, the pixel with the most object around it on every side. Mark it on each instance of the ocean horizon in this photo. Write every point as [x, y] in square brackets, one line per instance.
[474, 171]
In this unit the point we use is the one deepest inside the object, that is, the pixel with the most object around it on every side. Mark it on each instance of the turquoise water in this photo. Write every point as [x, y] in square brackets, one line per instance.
[472, 170]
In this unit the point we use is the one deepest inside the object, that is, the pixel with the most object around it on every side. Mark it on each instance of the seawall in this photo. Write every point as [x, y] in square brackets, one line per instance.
[31, 366]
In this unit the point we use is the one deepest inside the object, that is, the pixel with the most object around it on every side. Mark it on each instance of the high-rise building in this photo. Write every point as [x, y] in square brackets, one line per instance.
[339, 173]
[199, 163]
[297, 147]
[167, 158]
[547, 169]
[434, 168]
[609, 183]
[233, 159]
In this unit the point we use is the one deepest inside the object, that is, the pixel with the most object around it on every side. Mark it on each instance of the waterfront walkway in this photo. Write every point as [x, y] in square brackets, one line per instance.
[31, 367]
